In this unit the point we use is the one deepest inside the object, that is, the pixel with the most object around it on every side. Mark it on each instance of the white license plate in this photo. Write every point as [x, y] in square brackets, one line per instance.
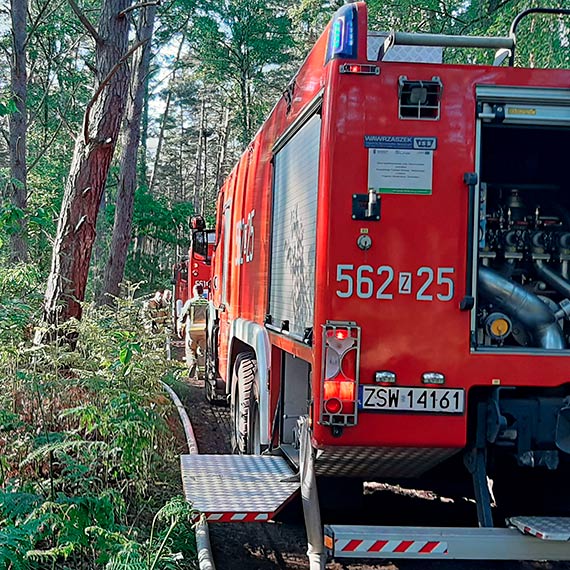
[406, 399]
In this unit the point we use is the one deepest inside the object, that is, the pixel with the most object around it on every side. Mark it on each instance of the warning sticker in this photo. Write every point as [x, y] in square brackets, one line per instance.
[400, 171]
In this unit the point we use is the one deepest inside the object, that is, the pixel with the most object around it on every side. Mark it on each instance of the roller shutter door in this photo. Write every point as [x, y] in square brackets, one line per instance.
[293, 246]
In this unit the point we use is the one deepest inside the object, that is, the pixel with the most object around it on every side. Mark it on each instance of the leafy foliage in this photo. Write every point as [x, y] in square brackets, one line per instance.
[85, 452]
[7, 107]
[157, 220]
[236, 41]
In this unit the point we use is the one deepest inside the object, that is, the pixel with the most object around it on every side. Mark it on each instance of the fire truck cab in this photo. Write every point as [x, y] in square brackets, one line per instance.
[195, 269]
[391, 284]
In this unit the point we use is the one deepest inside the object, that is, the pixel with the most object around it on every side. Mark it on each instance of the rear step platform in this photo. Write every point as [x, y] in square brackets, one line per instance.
[342, 541]
[547, 528]
[237, 488]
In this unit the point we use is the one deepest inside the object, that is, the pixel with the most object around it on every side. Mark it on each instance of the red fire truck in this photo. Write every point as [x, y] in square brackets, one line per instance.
[196, 268]
[391, 291]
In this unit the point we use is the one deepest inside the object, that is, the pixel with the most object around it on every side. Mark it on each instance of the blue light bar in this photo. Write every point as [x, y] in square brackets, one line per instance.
[343, 34]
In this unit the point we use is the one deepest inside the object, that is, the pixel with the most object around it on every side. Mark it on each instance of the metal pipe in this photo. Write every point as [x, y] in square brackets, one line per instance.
[310, 500]
[564, 270]
[443, 40]
[524, 306]
[552, 278]
[523, 14]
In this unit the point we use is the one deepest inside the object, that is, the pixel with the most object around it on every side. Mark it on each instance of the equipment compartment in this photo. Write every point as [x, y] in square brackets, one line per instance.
[523, 236]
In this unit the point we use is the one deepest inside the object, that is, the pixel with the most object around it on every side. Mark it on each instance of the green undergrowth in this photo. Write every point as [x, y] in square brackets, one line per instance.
[89, 445]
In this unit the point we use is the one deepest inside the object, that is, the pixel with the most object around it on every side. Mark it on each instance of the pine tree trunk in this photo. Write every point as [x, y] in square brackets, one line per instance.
[122, 227]
[160, 142]
[199, 155]
[143, 147]
[92, 156]
[244, 109]
[181, 194]
[165, 117]
[18, 125]
[223, 148]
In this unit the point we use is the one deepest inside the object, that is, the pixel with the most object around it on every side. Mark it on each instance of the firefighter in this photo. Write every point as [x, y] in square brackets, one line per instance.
[192, 326]
[151, 313]
[166, 309]
[157, 313]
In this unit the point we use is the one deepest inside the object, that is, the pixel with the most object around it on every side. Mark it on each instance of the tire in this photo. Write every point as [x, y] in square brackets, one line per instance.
[253, 444]
[210, 392]
[244, 405]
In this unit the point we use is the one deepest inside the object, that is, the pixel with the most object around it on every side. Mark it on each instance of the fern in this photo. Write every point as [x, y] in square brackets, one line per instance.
[177, 512]
[129, 558]
[178, 509]
[9, 421]
[109, 537]
[10, 559]
[15, 541]
[60, 447]
[85, 452]
[61, 551]
[15, 506]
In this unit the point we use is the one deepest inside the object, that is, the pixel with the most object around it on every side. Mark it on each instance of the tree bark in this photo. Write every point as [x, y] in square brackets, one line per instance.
[223, 148]
[199, 154]
[122, 227]
[94, 148]
[18, 126]
[244, 108]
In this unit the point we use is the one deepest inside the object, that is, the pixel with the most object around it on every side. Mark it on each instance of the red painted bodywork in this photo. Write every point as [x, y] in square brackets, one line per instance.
[192, 271]
[403, 335]
[180, 281]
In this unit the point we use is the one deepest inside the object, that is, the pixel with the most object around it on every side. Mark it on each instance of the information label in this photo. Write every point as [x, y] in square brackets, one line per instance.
[400, 171]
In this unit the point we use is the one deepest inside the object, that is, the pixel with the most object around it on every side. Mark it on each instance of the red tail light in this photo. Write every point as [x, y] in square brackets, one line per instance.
[361, 68]
[348, 390]
[341, 358]
[333, 406]
[343, 389]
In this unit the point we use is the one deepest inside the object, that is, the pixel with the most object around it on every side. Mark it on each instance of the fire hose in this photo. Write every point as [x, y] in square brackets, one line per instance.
[205, 558]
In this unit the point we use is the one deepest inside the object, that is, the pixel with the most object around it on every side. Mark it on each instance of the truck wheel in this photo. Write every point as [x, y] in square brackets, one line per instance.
[244, 405]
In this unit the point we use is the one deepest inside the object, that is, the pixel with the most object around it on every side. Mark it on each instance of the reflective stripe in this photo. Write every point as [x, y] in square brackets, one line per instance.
[238, 517]
[392, 546]
[352, 545]
[403, 546]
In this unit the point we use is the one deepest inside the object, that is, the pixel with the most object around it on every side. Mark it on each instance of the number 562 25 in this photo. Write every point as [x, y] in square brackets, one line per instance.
[383, 282]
